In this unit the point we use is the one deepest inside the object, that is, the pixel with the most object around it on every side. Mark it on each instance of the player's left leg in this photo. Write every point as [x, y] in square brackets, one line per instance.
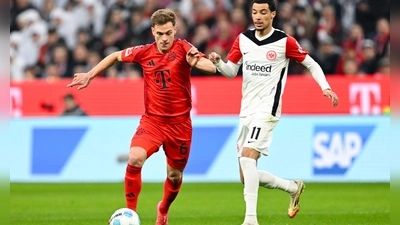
[268, 180]
[294, 188]
[177, 149]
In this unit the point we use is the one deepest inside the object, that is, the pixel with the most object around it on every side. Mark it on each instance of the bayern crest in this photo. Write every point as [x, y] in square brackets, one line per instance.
[271, 55]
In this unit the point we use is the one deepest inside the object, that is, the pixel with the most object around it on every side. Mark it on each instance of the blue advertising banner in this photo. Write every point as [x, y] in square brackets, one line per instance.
[94, 149]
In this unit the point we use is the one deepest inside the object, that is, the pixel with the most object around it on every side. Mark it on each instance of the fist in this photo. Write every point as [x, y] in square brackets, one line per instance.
[214, 57]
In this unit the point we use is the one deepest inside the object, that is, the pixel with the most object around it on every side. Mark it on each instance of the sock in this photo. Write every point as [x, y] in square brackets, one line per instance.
[171, 190]
[251, 182]
[271, 181]
[133, 185]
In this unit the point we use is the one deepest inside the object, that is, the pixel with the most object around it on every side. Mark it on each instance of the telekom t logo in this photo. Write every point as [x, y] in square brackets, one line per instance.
[15, 102]
[369, 95]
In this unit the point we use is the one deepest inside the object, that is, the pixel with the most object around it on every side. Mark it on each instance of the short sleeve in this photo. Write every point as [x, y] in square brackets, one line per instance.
[235, 54]
[294, 50]
[129, 54]
[187, 46]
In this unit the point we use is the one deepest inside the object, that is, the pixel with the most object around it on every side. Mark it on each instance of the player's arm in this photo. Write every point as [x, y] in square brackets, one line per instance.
[319, 76]
[83, 79]
[228, 69]
[295, 51]
[205, 66]
[195, 60]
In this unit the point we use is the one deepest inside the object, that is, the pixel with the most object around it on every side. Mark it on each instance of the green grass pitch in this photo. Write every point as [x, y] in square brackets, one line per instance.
[199, 204]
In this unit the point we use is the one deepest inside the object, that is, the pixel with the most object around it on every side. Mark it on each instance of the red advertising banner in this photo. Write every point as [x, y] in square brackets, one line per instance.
[364, 95]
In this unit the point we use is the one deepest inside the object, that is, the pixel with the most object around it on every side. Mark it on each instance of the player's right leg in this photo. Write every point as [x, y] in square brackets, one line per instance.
[144, 143]
[133, 176]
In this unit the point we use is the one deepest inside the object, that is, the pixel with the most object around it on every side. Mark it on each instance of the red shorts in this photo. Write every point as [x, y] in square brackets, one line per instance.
[175, 139]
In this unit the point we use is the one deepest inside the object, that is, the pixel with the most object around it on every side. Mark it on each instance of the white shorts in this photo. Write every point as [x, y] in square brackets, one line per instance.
[255, 131]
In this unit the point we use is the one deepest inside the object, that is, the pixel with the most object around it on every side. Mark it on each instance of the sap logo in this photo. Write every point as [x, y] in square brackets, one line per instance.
[335, 148]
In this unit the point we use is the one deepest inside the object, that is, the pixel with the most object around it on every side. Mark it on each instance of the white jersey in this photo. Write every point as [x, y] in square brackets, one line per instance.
[265, 66]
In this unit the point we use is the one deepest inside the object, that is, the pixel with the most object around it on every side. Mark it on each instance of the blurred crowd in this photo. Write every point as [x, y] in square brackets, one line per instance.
[53, 39]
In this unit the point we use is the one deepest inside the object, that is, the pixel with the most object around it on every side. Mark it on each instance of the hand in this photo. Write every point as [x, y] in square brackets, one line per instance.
[330, 94]
[82, 79]
[193, 56]
[214, 57]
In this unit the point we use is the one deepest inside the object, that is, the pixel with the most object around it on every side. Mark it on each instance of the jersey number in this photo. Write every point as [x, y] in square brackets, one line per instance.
[183, 149]
[256, 132]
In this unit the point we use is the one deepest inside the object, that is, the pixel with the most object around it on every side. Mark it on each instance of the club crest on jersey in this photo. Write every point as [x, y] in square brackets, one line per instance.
[171, 56]
[271, 55]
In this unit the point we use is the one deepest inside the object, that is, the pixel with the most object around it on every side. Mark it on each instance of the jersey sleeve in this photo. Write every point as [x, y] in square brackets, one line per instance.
[294, 50]
[130, 54]
[235, 54]
[187, 46]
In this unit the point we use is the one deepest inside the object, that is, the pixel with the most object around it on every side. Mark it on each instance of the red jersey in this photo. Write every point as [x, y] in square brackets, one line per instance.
[167, 88]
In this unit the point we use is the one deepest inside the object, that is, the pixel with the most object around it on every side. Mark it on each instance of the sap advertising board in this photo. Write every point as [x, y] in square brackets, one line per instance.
[312, 148]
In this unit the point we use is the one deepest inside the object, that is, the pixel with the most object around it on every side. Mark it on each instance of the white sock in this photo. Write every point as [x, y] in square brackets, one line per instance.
[271, 181]
[251, 183]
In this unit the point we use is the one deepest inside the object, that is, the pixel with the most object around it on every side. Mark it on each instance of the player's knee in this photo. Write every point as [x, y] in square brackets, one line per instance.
[175, 176]
[136, 160]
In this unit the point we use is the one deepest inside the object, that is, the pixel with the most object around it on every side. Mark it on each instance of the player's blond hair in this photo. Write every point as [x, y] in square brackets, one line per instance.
[163, 16]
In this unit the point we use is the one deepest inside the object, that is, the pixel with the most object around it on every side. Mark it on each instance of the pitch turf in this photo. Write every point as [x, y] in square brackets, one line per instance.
[199, 204]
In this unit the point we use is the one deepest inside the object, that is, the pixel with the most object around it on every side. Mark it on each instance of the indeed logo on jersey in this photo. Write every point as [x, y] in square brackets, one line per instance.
[336, 148]
[259, 70]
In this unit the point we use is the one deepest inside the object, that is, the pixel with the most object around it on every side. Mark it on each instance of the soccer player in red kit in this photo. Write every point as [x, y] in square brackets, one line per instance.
[166, 67]
[264, 53]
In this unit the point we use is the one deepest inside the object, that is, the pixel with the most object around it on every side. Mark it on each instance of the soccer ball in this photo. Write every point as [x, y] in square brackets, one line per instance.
[124, 216]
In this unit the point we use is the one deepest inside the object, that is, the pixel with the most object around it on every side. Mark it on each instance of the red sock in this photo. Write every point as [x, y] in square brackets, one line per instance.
[133, 185]
[171, 190]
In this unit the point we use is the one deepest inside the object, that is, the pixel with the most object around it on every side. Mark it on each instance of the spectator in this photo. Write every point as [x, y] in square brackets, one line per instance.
[239, 21]
[370, 62]
[350, 67]
[71, 107]
[65, 24]
[52, 73]
[117, 21]
[84, 37]
[79, 57]
[17, 66]
[222, 39]
[382, 37]
[103, 26]
[30, 73]
[46, 50]
[304, 23]
[355, 39]
[383, 66]
[348, 53]
[17, 7]
[366, 18]
[139, 28]
[202, 35]
[327, 55]
[328, 25]
[61, 59]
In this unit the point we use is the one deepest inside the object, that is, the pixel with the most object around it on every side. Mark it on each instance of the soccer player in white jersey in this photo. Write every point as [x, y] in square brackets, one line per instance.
[265, 53]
